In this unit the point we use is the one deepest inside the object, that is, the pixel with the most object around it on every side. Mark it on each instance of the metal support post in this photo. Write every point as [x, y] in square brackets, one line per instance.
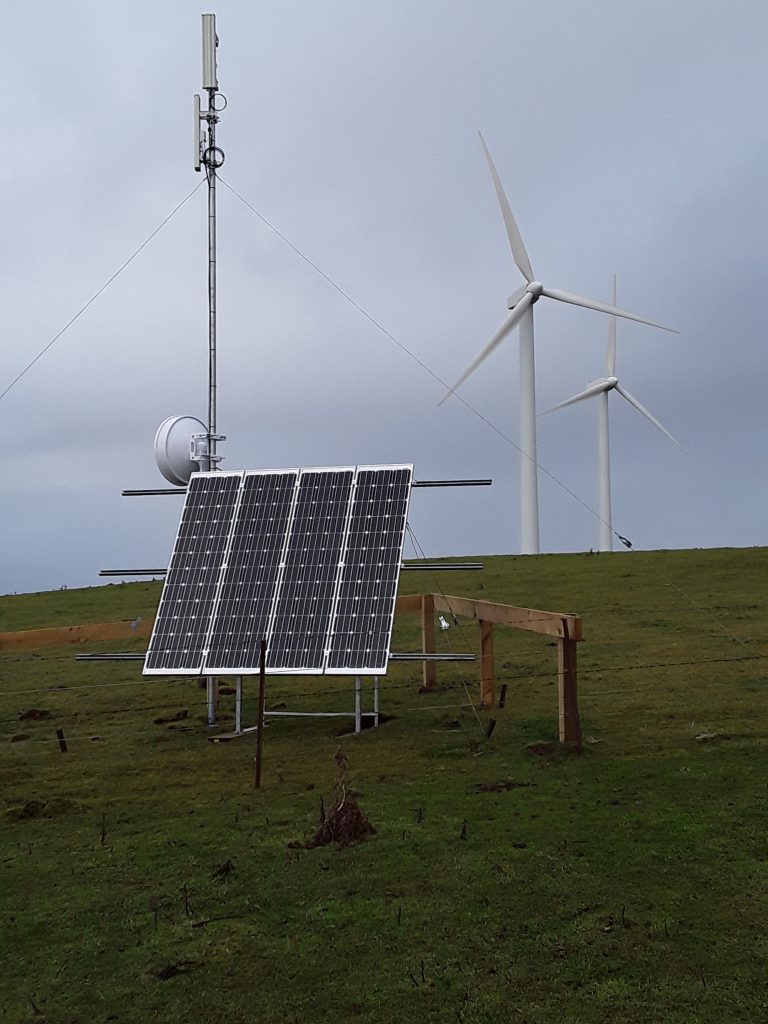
[212, 695]
[375, 702]
[239, 704]
[211, 174]
[260, 733]
[358, 707]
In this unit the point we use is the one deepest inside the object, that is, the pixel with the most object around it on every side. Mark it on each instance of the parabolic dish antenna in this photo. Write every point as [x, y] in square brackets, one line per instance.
[173, 447]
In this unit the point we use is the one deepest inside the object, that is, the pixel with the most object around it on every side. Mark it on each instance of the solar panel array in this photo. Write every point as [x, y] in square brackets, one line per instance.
[308, 560]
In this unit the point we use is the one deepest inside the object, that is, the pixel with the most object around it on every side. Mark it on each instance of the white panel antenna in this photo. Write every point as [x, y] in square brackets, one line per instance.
[198, 134]
[210, 42]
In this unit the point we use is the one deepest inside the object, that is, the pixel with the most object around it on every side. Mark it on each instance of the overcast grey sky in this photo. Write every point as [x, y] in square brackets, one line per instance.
[631, 139]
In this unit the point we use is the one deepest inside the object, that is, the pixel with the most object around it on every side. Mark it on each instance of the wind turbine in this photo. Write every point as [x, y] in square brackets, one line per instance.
[600, 389]
[520, 305]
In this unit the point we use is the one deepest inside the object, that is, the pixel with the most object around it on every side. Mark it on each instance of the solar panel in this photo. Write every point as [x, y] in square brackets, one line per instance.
[307, 559]
[178, 640]
[251, 576]
[366, 603]
[303, 610]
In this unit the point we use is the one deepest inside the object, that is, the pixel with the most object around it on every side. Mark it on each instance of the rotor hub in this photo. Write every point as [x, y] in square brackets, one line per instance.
[535, 290]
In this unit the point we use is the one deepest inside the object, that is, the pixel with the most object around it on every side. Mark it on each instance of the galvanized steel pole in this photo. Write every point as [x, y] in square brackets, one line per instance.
[210, 171]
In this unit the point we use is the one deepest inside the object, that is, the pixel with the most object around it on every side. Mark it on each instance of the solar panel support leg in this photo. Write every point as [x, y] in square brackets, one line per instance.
[375, 702]
[358, 703]
[239, 704]
[212, 695]
[260, 733]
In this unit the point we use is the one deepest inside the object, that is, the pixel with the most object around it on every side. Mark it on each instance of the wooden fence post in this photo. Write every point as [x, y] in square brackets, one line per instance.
[568, 701]
[429, 668]
[487, 693]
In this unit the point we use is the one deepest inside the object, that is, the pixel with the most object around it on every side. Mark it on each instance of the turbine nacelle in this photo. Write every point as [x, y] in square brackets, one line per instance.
[535, 289]
[602, 384]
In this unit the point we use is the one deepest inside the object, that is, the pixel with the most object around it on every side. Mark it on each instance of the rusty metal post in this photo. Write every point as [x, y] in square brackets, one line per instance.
[260, 733]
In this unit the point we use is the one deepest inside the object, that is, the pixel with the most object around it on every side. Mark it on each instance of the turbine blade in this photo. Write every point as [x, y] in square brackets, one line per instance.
[602, 307]
[611, 362]
[509, 325]
[516, 295]
[513, 232]
[648, 415]
[590, 392]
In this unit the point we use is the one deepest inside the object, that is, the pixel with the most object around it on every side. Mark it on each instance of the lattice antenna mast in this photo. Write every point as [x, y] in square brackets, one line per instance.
[209, 156]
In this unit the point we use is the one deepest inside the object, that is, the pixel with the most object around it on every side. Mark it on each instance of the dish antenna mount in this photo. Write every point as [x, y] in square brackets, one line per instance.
[181, 448]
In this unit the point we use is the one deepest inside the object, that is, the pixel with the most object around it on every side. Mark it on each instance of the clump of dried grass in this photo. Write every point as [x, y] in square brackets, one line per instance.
[343, 822]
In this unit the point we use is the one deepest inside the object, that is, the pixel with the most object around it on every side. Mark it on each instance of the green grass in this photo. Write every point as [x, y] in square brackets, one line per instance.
[627, 883]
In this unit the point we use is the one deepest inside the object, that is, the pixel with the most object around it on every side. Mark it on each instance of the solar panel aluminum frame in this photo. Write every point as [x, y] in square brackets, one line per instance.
[198, 670]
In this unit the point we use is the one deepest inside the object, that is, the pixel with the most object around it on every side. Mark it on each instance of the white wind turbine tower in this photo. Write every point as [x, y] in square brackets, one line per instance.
[520, 305]
[600, 389]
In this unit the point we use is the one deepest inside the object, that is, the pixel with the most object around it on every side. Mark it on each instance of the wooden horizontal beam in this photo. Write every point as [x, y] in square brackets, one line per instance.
[97, 633]
[559, 624]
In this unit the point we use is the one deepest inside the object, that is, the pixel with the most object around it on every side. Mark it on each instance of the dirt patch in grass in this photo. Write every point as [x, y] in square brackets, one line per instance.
[366, 722]
[502, 786]
[34, 714]
[174, 969]
[178, 716]
[554, 751]
[41, 809]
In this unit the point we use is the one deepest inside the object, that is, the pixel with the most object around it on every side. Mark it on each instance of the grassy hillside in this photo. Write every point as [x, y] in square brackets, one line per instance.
[144, 878]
